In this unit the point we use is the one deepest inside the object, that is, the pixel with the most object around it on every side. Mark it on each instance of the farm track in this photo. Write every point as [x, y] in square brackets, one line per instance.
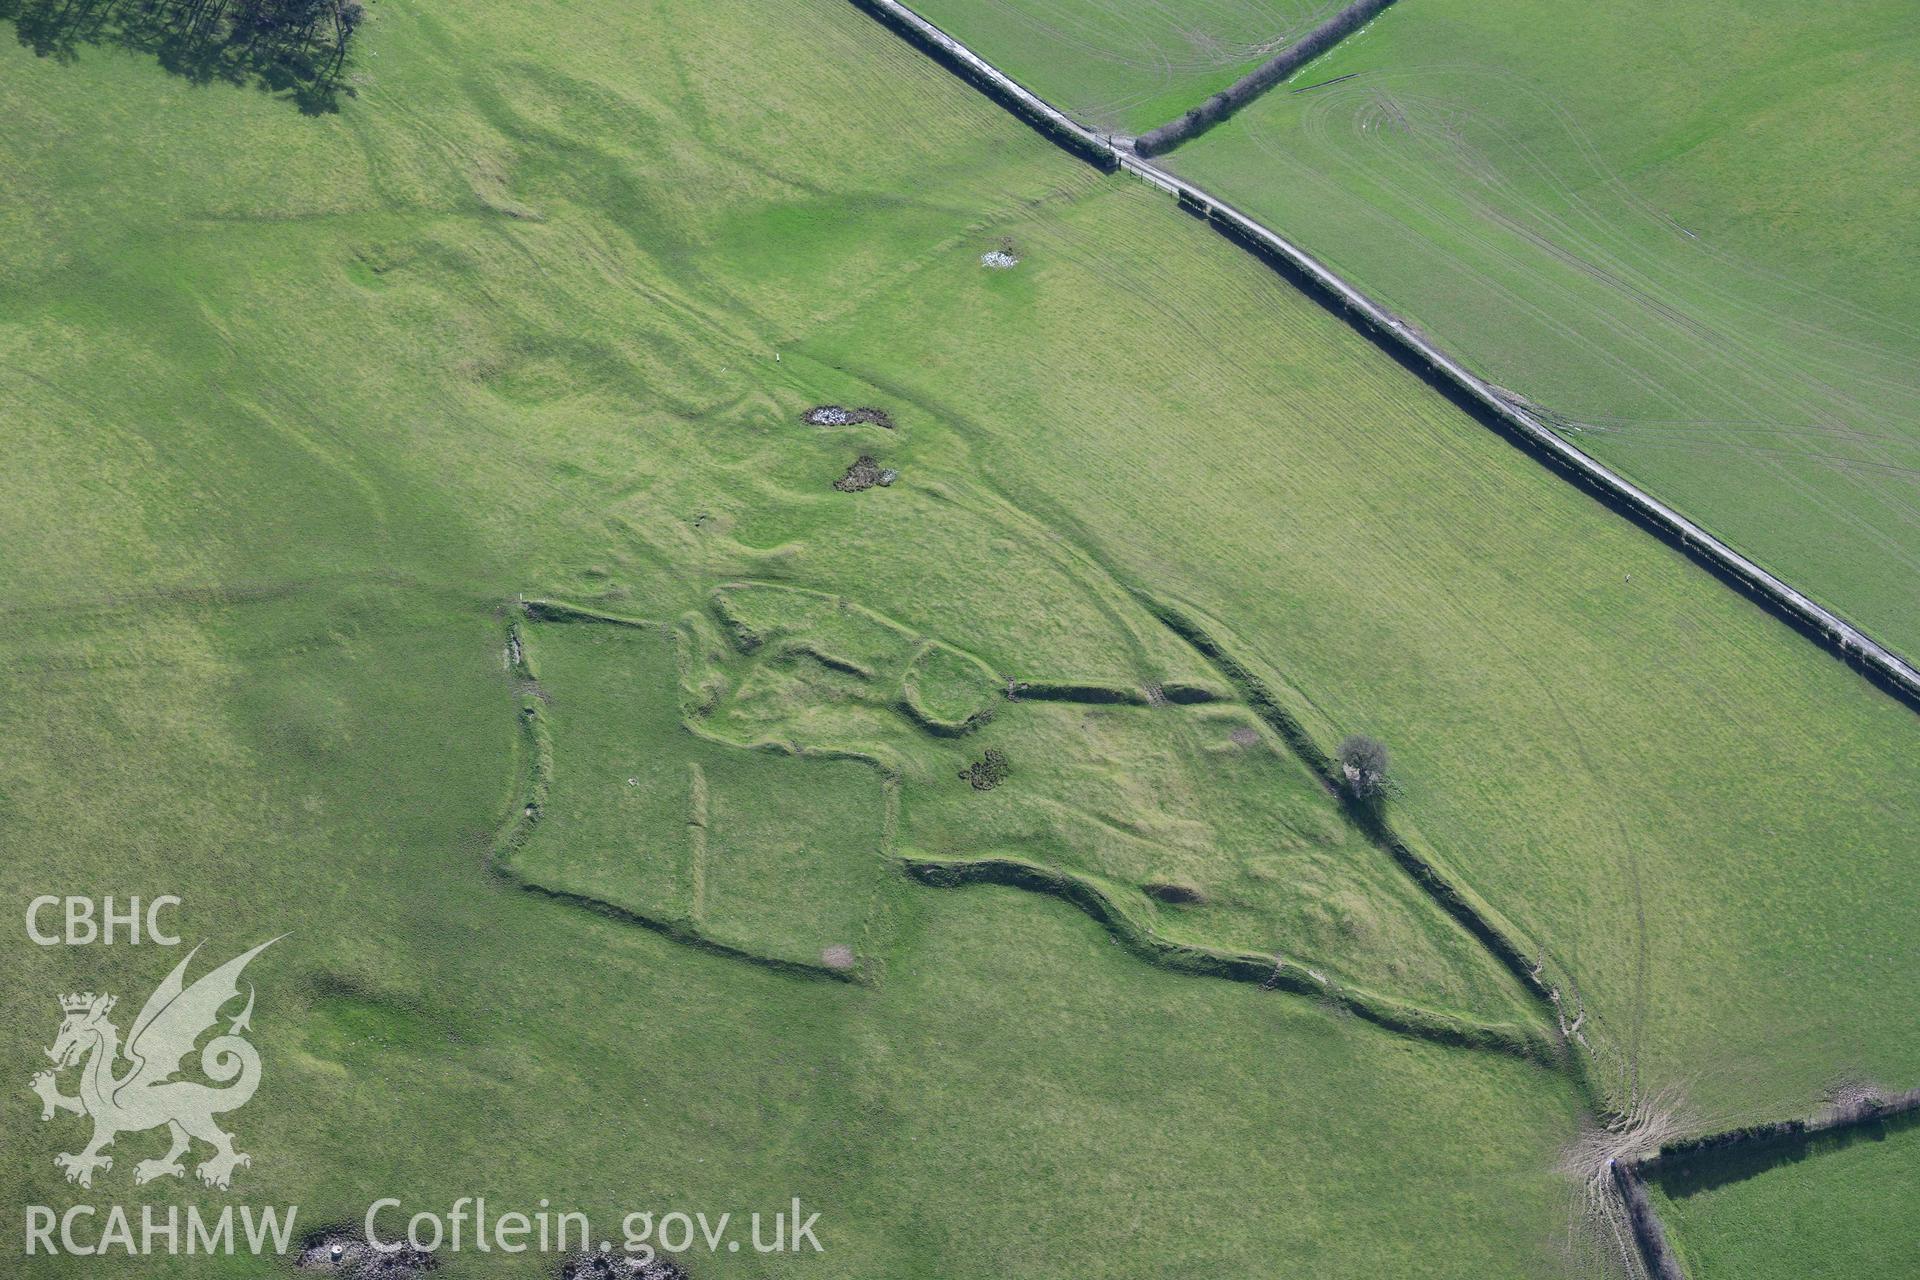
[1408, 345]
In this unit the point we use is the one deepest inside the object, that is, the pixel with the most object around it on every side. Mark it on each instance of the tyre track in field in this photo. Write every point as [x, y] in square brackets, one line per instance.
[1407, 345]
[1637, 1009]
[1489, 405]
[1810, 383]
[1583, 241]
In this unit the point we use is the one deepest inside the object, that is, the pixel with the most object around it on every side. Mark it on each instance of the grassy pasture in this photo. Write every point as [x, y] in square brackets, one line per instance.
[1126, 66]
[1207, 842]
[334, 771]
[1637, 769]
[693, 834]
[1834, 1211]
[815, 770]
[295, 405]
[1681, 230]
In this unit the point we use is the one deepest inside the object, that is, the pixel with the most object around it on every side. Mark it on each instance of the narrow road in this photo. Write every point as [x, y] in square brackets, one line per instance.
[1114, 151]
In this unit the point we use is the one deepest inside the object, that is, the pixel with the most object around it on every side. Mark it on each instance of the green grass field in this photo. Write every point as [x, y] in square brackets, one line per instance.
[1834, 1211]
[297, 408]
[1126, 66]
[1679, 230]
[782, 749]
[697, 835]
[336, 772]
[1604, 744]
[299, 405]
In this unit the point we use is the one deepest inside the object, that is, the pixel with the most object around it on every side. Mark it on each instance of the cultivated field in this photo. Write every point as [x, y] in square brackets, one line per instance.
[418, 546]
[1836, 1209]
[1680, 231]
[1124, 65]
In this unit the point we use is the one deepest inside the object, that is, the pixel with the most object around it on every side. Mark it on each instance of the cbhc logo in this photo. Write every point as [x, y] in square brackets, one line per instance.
[84, 925]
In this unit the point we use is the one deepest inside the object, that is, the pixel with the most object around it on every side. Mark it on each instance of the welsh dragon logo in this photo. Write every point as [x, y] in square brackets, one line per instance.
[145, 1095]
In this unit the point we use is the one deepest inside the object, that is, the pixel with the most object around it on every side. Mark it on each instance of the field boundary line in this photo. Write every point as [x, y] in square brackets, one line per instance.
[1649, 1233]
[1390, 1013]
[1479, 919]
[1271, 972]
[1631, 1176]
[535, 785]
[1410, 347]
[1871, 1110]
[1876, 1108]
[697, 817]
[1197, 120]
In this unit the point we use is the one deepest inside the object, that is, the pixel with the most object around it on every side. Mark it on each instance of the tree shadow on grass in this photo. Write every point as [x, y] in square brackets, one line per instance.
[295, 49]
